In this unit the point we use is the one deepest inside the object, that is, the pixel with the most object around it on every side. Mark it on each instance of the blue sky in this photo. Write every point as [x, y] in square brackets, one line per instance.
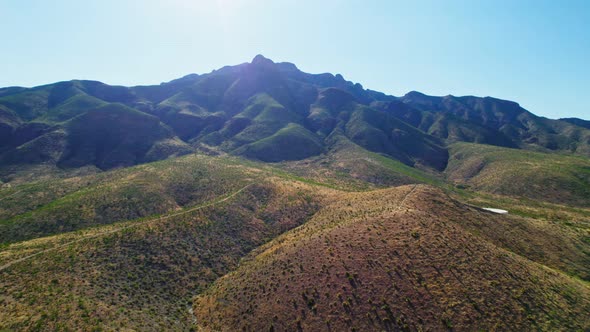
[534, 52]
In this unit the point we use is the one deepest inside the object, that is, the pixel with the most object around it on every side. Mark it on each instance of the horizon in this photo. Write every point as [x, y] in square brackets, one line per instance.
[276, 62]
[532, 53]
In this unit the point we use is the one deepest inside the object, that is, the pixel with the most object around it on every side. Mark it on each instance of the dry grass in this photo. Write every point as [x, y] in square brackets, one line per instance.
[141, 275]
[374, 261]
[556, 178]
[351, 256]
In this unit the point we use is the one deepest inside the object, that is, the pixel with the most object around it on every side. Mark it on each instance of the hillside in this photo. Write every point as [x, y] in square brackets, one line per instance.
[261, 197]
[395, 259]
[577, 122]
[55, 206]
[491, 121]
[539, 176]
[153, 236]
[141, 274]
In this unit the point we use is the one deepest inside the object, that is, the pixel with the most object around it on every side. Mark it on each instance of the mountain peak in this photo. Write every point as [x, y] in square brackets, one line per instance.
[414, 93]
[261, 60]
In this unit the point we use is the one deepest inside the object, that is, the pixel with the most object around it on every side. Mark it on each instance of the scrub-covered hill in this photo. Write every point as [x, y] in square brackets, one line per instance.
[141, 274]
[394, 259]
[541, 176]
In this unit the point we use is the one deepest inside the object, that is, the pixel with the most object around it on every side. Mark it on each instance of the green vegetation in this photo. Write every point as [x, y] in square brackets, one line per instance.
[113, 135]
[27, 104]
[141, 275]
[124, 194]
[291, 142]
[402, 258]
[550, 177]
[490, 121]
[380, 132]
[253, 110]
[144, 240]
[71, 108]
[312, 204]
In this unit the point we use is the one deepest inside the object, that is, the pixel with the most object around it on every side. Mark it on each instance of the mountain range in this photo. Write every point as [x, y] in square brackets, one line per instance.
[260, 197]
[260, 110]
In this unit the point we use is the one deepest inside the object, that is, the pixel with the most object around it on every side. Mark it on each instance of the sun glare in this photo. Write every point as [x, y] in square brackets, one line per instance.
[219, 6]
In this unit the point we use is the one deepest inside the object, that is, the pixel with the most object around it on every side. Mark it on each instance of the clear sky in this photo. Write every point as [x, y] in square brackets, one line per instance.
[534, 52]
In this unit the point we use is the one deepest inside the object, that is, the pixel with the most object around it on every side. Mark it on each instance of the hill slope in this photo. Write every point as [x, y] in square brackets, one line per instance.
[141, 274]
[401, 262]
[148, 238]
[548, 177]
[61, 205]
[491, 121]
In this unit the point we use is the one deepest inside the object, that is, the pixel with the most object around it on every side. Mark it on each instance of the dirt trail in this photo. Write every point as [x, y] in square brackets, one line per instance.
[14, 193]
[7, 265]
[401, 203]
